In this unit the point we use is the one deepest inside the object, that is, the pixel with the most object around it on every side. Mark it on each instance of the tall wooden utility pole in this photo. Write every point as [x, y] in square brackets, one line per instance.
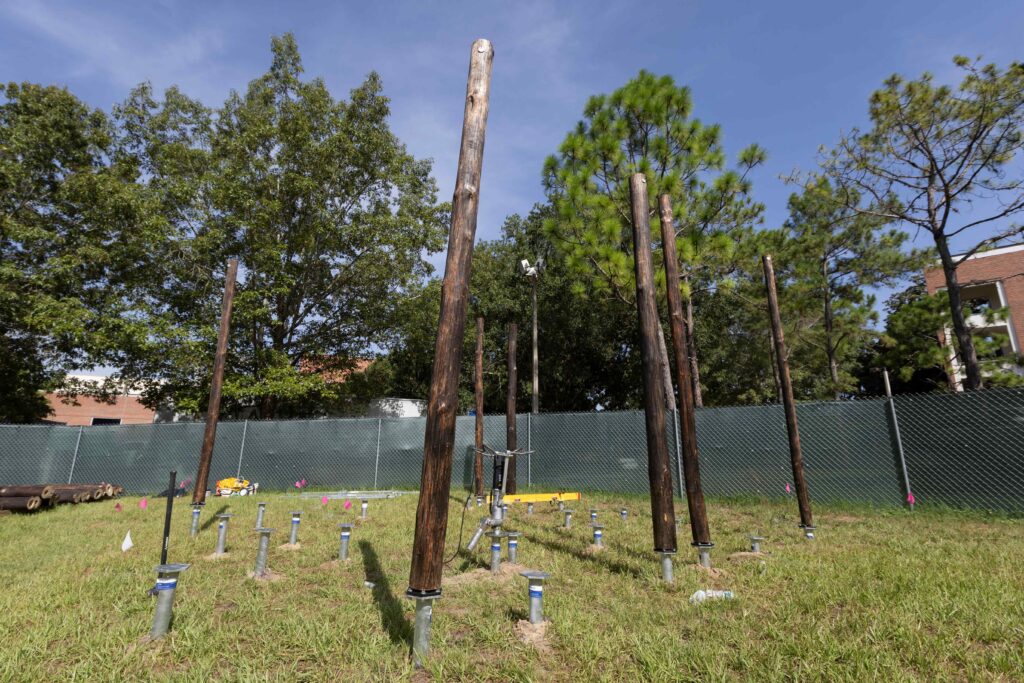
[510, 408]
[662, 512]
[213, 409]
[435, 483]
[478, 388]
[782, 360]
[687, 416]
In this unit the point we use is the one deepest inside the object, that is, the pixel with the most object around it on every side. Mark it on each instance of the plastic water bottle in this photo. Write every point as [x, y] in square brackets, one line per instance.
[701, 596]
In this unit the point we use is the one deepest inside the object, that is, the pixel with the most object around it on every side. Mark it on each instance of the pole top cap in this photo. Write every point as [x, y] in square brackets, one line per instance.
[225, 515]
[172, 568]
[534, 575]
[345, 525]
[264, 530]
[296, 513]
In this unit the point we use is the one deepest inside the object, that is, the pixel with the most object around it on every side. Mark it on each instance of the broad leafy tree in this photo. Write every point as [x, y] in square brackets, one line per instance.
[75, 240]
[328, 213]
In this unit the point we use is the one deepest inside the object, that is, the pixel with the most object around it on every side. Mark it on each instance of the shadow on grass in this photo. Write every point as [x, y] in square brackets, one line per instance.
[212, 518]
[611, 565]
[392, 614]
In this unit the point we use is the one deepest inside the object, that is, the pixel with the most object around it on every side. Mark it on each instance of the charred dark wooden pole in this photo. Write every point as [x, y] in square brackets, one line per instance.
[171, 486]
[658, 471]
[213, 410]
[687, 416]
[478, 388]
[435, 483]
[510, 408]
[789, 405]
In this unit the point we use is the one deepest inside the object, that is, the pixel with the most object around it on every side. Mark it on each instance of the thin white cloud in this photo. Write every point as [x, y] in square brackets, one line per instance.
[125, 53]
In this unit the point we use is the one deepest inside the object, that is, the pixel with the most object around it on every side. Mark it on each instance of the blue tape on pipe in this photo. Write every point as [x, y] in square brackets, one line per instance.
[165, 584]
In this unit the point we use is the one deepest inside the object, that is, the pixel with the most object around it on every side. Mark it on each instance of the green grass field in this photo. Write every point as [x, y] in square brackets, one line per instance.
[880, 595]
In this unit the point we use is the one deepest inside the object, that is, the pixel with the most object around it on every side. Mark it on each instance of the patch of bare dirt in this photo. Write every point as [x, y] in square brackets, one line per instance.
[507, 571]
[746, 556]
[534, 635]
[269, 576]
[290, 546]
[330, 564]
[594, 549]
[420, 676]
[713, 572]
[214, 557]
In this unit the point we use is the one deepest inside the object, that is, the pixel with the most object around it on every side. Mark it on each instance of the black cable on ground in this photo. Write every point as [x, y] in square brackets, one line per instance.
[465, 506]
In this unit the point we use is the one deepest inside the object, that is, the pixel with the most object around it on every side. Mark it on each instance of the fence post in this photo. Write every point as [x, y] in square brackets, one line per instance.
[74, 458]
[245, 428]
[529, 450]
[376, 461]
[899, 439]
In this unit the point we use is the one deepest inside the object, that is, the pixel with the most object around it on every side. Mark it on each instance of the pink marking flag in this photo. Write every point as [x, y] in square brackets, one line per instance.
[303, 483]
[347, 505]
[323, 501]
[788, 490]
[117, 508]
[143, 504]
[910, 498]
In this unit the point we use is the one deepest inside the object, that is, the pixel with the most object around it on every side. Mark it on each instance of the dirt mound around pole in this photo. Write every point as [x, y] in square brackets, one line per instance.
[507, 571]
[535, 635]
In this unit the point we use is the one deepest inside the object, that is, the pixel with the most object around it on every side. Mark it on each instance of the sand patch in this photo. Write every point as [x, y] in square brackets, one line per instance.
[594, 549]
[745, 556]
[215, 557]
[507, 571]
[269, 576]
[713, 572]
[534, 635]
[290, 546]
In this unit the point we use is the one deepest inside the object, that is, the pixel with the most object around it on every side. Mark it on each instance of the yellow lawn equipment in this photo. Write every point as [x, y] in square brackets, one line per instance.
[234, 486]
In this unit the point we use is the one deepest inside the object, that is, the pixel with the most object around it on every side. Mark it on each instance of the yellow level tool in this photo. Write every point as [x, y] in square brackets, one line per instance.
[539, 497]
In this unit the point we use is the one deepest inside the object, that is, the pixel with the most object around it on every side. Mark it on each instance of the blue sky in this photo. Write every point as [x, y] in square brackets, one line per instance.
[788, 75]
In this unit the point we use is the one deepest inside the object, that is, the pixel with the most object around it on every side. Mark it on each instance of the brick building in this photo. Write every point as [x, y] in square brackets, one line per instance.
[84, 410]
[992, 286]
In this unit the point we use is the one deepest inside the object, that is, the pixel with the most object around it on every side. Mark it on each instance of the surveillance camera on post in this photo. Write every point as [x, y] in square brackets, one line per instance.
[531, 271]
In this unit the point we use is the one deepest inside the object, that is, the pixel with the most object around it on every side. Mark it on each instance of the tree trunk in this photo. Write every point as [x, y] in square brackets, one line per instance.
[666, 372]
[691, 344]
[968, 354]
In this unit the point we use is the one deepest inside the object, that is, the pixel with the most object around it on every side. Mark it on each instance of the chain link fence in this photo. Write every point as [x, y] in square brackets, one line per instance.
[962, 450]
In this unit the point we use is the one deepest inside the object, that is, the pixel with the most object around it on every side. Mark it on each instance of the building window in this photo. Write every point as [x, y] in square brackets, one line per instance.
[106, 421]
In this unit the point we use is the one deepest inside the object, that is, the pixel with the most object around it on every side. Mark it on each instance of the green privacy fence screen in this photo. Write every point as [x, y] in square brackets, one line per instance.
[961, 450]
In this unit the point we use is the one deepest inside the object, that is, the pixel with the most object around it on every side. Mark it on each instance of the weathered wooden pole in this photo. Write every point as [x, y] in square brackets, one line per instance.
[662, 512]
[478, 387]
[213, 409]
[435, 483]
[687, 416]
[788, 404]
[510, 408]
